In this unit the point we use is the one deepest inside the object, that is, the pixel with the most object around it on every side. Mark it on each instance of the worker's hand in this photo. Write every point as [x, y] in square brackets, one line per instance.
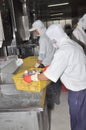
[27, 78]
[37, 65]
[45, 68]
[30, 78]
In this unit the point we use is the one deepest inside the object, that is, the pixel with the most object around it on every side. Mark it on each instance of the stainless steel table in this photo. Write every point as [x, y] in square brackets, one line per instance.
[21, 110]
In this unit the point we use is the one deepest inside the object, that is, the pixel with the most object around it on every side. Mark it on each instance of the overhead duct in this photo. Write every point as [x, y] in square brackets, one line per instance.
[22, 20]
[24, 28]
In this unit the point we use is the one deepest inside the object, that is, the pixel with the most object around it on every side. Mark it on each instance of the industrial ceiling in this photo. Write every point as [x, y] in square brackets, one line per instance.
[57, 9]
[18, 15]
[47, 10]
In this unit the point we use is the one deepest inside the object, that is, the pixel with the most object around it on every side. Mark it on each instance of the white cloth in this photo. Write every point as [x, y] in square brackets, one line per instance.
[19, 62]
[69, 64]
[46, 50]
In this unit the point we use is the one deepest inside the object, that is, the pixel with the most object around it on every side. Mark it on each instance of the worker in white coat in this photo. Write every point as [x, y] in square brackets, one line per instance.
[68, 64]
[46, 53]
[46, 50]
[79, 33]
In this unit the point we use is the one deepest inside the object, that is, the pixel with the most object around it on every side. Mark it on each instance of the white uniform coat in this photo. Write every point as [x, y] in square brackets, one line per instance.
[69, 63]
[46, 50]
[80, 34]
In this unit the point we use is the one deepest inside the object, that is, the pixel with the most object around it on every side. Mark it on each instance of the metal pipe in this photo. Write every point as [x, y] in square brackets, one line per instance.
[13, 18]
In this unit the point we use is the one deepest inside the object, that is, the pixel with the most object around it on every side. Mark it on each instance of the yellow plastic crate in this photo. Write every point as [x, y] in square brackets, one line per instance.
[29, 87]
[29, 62]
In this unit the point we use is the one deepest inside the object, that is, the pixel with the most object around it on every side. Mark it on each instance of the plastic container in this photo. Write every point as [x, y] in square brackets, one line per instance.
[30, 87]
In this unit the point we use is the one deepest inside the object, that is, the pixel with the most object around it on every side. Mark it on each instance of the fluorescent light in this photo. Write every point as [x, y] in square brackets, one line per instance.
[56, 14]
[58, 4]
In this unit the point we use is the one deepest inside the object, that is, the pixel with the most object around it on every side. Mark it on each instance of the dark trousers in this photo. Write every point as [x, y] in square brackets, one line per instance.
[77, 109]
[53, 93]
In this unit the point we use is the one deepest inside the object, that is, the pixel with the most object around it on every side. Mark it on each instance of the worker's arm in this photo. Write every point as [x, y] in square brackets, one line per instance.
[39, 61]
[35, 77]
[42, 77]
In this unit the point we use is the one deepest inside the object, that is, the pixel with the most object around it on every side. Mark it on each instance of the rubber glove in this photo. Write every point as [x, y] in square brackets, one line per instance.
[30, 78]
[27, 78]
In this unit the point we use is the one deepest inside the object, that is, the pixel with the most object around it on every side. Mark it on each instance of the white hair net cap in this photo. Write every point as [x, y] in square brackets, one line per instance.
[38, 24]
[56, 32]
[82, 22]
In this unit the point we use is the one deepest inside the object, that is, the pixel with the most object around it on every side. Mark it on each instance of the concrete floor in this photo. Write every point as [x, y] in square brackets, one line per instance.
[60, 119]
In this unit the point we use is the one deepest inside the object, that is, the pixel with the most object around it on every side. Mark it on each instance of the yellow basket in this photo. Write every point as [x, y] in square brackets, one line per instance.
[30, 87]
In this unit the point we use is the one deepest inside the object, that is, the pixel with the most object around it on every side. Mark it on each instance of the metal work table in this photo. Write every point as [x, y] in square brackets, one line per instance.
[23, 111]
[12, 99]
[20, 110]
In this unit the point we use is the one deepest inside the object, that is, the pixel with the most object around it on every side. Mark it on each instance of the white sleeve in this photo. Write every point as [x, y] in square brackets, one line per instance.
[57, 67]
[42, 49]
